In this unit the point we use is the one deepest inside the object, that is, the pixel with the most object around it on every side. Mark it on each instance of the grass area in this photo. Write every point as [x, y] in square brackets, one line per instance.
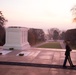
[51, 45]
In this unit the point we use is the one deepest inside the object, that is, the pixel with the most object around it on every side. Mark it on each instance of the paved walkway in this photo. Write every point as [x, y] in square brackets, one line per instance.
[36, 61]
[40, 44]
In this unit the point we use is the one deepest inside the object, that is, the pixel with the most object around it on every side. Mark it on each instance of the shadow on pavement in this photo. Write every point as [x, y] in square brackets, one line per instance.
[35, 65]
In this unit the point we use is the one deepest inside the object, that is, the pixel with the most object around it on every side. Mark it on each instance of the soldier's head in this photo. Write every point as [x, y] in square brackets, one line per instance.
[67, 42]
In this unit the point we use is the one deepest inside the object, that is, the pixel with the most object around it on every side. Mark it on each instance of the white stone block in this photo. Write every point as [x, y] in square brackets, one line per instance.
[16, 38]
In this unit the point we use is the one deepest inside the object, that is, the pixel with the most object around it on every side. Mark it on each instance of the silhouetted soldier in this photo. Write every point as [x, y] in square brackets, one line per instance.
[67, 55]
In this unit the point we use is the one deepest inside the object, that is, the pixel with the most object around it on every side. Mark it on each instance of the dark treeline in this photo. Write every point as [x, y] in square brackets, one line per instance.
[71, 36]
[35, 36]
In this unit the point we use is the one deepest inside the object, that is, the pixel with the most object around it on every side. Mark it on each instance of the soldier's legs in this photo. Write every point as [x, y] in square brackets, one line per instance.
[70, 61]
[65, 60]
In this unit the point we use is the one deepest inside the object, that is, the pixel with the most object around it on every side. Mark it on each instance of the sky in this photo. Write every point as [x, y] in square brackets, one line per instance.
[43, 14]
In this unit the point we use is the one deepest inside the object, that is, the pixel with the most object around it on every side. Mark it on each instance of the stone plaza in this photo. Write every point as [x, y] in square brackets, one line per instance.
[36, 61]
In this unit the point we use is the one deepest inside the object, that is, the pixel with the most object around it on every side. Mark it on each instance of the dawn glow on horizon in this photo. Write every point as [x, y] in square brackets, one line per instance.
[43, 14]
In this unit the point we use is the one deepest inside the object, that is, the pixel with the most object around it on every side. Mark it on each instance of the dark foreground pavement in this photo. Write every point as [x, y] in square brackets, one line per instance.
[36, 61]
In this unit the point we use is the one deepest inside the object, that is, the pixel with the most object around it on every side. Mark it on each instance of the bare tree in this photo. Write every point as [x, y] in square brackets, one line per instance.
[52, 31]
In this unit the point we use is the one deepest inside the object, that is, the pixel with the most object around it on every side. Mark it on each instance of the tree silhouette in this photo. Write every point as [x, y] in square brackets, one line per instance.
[55, 35]
[35, 36]
[2, 19]
[2, 29]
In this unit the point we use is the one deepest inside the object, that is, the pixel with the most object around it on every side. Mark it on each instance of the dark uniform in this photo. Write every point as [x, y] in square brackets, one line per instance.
[67, 56]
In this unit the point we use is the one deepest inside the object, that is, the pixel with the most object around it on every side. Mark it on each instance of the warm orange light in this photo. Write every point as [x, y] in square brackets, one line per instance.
[74, 20]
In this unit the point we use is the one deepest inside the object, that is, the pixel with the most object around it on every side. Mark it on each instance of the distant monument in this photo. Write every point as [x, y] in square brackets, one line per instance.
[16, 38]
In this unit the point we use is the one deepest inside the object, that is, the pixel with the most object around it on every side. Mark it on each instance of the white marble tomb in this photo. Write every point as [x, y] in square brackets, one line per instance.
[16, 38]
